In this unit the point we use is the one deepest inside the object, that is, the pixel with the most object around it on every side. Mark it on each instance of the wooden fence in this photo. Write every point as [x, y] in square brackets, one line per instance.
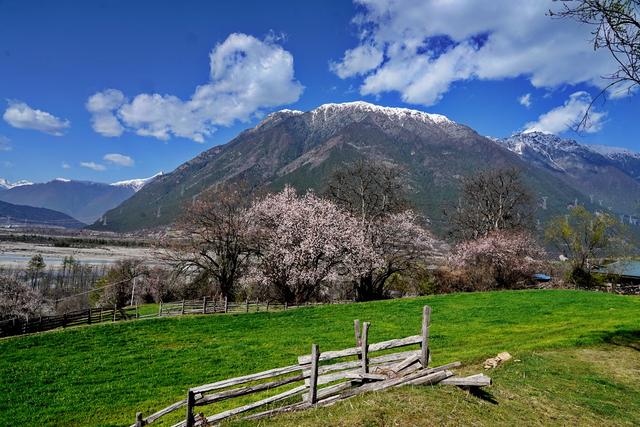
[176, 308]
[317, 379]
[73, 318]
[207, 305]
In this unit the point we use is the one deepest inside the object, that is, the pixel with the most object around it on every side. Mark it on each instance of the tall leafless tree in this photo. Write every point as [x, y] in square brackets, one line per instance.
[616, 28]
[491, 200]
[369, 189]
[213, 242]
[376, 193]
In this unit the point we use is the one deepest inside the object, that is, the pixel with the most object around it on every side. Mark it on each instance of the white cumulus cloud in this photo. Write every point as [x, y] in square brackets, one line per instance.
[525, 100]
[93, 166]
[247, 75]
[66, 165]
[21, 116]
[119, 159]
[566, 116]
[102, 106]
[419, 48]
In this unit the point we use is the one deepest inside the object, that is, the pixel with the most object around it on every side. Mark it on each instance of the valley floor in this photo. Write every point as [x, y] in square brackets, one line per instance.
[578, 351]
[17, 254]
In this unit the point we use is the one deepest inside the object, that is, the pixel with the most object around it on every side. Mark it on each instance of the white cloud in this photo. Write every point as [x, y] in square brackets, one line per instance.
[566, 116]
[357, 61]
[66, 165]
[119, 159]
[525, 100]
[247, 75]
[93, 166]
[102, 105]
[5, 143]
[418, 48]
[20, 115]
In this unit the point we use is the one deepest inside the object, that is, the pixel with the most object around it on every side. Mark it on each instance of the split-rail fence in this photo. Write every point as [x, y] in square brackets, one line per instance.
[318, 380]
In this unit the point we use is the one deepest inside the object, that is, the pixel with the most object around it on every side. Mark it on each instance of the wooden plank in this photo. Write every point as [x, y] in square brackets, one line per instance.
[433, 378]
[236, 392]
[426, 319]
[478, 380]
[365, 376]
[383, 385]
[384, 345]
[191, 400]
[332, 389]
[406, 362]
[226, 414]
[313, 378]
[275, 411]
[393, 357]
[247, 378]
[356, 329]
[365, 347]
[151, 418]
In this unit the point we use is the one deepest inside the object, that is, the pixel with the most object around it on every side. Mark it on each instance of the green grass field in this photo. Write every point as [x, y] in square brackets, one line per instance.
[103, 374]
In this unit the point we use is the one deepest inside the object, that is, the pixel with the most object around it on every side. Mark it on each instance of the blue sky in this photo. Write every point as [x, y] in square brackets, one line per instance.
[158, 99]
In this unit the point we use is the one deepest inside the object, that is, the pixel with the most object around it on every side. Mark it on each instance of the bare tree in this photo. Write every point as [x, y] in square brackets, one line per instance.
[616, 28]
[490, 201]
[376, 194]
[116, 287]
[369, 189]
[213, 243]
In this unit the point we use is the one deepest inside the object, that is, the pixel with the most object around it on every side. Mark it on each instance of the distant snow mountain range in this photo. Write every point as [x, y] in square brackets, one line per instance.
[303, 148]
[608, 176]
[85, 201]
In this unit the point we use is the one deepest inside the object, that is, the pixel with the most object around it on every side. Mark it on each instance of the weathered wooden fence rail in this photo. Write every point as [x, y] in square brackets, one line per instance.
[341, 379]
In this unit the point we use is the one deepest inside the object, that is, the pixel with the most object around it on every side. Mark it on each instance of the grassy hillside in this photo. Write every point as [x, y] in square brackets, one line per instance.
[101, 375]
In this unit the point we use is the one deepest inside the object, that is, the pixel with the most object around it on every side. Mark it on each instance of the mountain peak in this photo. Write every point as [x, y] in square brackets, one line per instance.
[391, 112]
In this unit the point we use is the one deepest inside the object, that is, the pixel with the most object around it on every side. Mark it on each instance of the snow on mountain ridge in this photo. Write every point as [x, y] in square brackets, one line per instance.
[136, 184]
[392, 112]
[9, 185]
[613, 152]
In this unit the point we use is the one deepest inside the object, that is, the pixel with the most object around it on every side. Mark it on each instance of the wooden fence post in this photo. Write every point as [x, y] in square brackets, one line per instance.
[365, 347]
[426, 318]
[285, 305]
[204, 305]
[114, 313]
[257, 306]
[247, 305]
[89, 317]
[226, 304]
[64, 320]
[139, 420]
[100, 314]
[191, 400]
[267, 306]
[137, 312]
[160, 309]
[313, 378]
[356, 329]
[182, 311]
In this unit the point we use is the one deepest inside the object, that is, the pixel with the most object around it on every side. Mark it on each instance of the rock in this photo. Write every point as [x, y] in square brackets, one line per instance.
[493, 362]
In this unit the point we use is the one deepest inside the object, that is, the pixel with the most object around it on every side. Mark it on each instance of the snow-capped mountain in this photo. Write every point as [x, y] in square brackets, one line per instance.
[303, 149]
[6, 185]
[605, 176]
[625, 159]
[136, 184]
